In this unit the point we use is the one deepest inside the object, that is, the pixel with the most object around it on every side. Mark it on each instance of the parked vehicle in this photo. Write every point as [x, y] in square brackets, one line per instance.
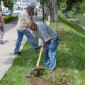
[16, 11]
[6, 13]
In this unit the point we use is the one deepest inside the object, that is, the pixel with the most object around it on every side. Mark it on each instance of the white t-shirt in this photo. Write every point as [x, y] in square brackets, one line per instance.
[24, 18]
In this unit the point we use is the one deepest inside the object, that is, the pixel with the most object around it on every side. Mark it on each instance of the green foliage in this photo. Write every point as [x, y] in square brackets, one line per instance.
[69, 4]
[75, 26]
[8, 3]
[9, 18]
[83, 7]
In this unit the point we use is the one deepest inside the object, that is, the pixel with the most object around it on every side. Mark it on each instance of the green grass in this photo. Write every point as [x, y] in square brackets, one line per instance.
[84, 14]
[70, 61]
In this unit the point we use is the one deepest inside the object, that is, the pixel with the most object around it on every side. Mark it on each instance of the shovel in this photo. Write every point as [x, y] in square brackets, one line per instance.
[37, 71]
[38, 61]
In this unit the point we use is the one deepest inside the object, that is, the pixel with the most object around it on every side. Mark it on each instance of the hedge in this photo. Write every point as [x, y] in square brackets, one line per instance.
[8, 19]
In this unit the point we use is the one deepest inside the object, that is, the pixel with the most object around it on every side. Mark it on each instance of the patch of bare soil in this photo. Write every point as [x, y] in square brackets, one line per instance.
[38, 81]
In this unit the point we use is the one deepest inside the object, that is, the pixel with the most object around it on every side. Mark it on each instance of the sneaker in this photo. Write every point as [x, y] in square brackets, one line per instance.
[1, 42]
[17, 53]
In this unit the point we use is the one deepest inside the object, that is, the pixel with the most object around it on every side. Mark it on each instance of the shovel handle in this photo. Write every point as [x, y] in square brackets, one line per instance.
[38, 61]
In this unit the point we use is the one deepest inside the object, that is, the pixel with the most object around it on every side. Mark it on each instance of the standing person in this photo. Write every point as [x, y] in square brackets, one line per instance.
[33, 14]
[35, 11]
[1, 28]
[50, 43]
[45, 12]
[22, 29]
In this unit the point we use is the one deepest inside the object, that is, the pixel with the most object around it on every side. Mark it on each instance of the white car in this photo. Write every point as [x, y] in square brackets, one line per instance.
[6, 13]
[16, 12]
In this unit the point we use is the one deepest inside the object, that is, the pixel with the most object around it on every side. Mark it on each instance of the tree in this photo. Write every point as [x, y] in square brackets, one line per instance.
[53, 9]
[70, 4]
[51, 6]
[61, 2]
[9, 4]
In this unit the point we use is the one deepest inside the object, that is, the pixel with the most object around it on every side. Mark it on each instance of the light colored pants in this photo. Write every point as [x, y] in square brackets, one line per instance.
[1, 33]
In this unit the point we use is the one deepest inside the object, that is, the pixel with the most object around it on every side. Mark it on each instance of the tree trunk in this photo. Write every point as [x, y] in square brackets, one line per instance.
[47, 6]
[53, 9]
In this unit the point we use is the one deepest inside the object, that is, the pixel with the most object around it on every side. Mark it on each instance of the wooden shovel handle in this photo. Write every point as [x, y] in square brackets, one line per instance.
[38, 61]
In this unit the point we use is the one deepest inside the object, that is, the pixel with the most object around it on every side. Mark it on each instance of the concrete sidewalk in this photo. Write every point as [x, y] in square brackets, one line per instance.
[7, 49]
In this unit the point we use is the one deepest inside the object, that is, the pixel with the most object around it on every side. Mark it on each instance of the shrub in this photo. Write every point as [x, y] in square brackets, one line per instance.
[8, 19]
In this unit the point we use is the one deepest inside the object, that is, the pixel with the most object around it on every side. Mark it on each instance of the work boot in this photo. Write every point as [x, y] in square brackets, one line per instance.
[17, 53]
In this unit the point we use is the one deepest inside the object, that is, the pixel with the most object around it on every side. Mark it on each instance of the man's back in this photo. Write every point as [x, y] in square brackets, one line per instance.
[45, 32]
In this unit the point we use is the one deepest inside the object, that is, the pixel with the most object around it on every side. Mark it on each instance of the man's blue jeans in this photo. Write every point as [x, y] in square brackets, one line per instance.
[50, 54]
[29, 36]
